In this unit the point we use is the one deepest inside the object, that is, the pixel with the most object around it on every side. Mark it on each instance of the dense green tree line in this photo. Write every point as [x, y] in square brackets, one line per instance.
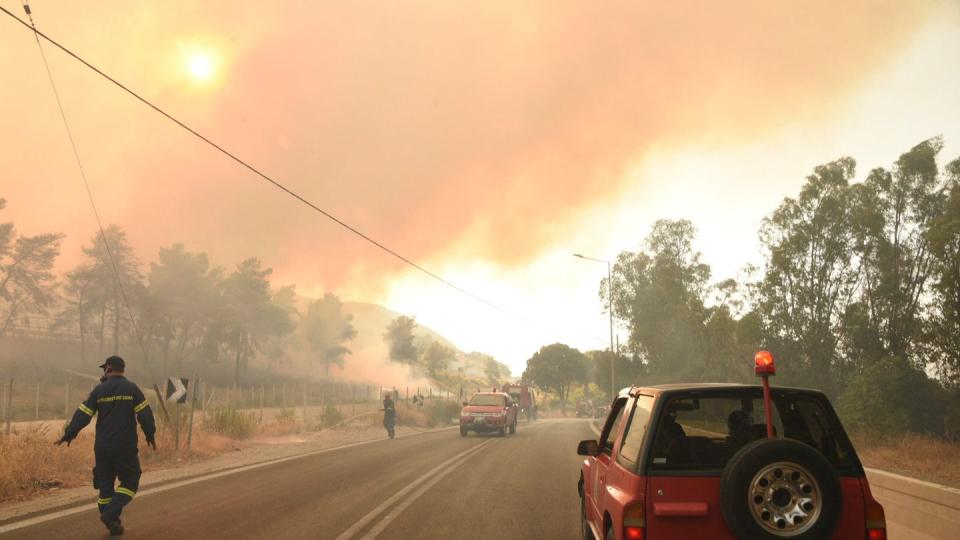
[858, 295]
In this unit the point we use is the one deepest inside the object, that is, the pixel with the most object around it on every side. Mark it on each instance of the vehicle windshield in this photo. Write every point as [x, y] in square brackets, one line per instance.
[702, 432]
[487, 400]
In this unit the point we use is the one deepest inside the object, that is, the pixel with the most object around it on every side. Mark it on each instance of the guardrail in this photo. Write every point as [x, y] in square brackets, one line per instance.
[915, 509]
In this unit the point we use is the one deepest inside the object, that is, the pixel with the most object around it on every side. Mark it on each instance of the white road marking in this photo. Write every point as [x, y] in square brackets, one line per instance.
[439, 471]
[375, 531]
[388, 519]
[178, 484]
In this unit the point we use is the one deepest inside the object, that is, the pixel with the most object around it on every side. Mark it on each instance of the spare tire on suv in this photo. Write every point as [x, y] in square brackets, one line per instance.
[780, 488]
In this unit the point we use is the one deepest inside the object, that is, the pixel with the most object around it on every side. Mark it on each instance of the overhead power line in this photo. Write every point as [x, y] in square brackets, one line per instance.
[93, 206]
[253, 169]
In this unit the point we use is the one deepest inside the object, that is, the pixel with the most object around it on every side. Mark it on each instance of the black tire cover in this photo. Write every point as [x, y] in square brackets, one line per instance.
[749, 460]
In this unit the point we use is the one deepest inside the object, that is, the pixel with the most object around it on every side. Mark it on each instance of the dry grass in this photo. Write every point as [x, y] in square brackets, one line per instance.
[31, 464]
[916, 456]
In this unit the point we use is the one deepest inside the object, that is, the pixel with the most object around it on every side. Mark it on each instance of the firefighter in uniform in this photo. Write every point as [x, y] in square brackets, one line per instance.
[119, 405]
[389, 414]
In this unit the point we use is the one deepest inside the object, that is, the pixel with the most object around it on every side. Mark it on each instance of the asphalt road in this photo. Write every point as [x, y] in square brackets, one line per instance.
[436, 485]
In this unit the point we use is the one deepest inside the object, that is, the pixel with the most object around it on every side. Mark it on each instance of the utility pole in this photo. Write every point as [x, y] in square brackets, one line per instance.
[613, 349]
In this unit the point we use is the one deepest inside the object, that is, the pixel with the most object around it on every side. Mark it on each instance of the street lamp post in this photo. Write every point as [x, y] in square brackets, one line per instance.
[613, 352]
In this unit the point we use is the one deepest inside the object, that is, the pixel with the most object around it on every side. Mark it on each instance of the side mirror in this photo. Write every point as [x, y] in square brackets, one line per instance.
[588, 447]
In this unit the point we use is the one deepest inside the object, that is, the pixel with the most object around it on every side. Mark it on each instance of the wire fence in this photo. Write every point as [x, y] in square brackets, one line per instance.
[26, 401]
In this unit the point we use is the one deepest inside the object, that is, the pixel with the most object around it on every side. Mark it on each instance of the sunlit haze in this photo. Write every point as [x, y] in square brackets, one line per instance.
[488, 142]
[200, 66]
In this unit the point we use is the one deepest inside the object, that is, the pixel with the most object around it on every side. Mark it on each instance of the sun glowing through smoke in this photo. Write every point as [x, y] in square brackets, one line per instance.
[200, 66]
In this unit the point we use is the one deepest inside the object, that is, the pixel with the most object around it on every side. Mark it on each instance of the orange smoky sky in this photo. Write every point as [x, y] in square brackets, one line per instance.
[428, 125]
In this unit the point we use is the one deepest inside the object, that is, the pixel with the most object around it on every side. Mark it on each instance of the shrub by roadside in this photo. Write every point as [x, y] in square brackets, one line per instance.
[233, 423]
[442, 413]
[330, 417]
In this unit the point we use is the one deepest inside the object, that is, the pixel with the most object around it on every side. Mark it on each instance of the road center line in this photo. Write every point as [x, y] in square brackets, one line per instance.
[375, 531]
[438, 471]
[397, 510]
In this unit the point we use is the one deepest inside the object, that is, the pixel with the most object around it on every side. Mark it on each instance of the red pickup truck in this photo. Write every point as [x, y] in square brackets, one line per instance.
[691, 461]
[487, 412]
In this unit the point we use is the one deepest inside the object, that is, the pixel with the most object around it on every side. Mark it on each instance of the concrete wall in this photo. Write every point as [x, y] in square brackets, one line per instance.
[916, 510]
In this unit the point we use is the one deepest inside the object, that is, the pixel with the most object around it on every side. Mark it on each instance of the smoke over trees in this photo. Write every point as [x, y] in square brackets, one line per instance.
[326, 328]
[27, 282]
[399, 337]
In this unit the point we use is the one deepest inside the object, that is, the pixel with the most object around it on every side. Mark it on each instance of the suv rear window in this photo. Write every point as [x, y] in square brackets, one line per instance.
[701, 431]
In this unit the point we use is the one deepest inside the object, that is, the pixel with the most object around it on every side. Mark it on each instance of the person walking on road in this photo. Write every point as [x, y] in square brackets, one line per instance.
[119, 405]
[389, 414]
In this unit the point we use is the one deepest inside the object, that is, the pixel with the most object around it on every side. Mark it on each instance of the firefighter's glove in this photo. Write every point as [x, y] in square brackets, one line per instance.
[62, 440]
[152, 443]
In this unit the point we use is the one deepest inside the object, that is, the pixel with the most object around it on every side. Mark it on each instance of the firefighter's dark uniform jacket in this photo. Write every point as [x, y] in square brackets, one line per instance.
[118, 405]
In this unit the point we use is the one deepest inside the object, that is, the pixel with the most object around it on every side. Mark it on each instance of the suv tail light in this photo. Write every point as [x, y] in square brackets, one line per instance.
[634, 521]
[876, 520]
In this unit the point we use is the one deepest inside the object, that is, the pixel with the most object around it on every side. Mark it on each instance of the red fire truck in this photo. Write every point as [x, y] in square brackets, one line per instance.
[523, 395]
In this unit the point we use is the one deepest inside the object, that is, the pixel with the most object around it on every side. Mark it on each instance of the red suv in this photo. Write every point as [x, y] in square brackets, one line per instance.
[489, 411]
[702, 461]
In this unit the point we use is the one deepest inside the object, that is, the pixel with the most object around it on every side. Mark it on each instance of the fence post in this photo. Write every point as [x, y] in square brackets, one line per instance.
[7, 410]
[261, 403]
[304, 405]
[3, 402]
[193, 400]
[176, 432]
[203, 404]
[213, 393]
